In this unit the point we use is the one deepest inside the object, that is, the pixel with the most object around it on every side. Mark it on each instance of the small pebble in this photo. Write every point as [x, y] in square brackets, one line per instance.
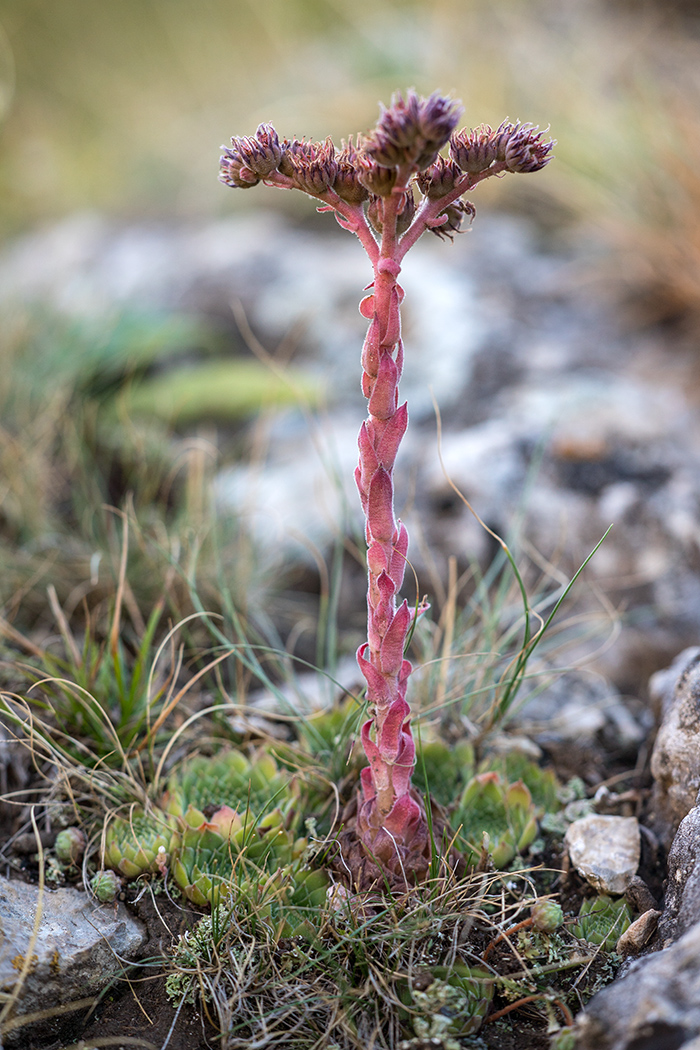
[605, 851]
[638, 933]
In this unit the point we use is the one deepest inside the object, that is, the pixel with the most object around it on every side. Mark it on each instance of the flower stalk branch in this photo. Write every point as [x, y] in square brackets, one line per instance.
[388, 190]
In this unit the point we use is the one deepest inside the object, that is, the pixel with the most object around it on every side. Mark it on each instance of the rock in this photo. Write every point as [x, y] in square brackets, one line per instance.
[662, 684]
[605, 851]
[655, 1006]
[638, 933]
[675, 760]
[80, 947]
[682, 903]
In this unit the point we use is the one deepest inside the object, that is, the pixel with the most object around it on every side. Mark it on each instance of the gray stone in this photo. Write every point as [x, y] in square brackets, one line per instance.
[655, 1006]
[675, 760]
[662, 684]
[80, 945]
[605, 851]
[682, 903]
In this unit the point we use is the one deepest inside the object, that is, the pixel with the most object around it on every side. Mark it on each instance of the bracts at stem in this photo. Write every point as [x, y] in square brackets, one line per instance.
[391, 821]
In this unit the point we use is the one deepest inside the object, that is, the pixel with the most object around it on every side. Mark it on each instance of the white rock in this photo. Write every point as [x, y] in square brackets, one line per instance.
[605, 851]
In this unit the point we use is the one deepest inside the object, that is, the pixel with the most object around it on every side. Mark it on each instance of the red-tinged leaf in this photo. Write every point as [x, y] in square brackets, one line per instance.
[368, 789]
[399, 359]
[389, 736]
[397, 565]
[376, 559]
[368, 457]
[377, 685]
[380, 772]
[360, 489]
[375, 627]
[392, 328]
[404, 818]
[402, 769]
[367, 384]
[386, 587]
[394, 431]
[367, 307]
[391, 652]
[404, 674]
[380, 507]
[382, 402]
[370, 350]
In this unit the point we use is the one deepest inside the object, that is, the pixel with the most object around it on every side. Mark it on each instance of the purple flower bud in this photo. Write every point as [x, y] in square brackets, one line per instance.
[268, 149]
[412, 130]
[440, 178]
[501, 137]
[377, 179]
[525, 151]
[347, 180]
[474, 150]
[455, 213]
[315, 169]
[291, 149]
[234, 171]
[250, 159]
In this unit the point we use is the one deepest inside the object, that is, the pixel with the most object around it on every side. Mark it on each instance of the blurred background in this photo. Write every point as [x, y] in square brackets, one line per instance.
[112, 118]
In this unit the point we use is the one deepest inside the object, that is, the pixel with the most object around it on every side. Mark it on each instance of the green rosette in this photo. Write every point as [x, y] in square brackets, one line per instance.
[602, 920]
[247, 785]
[135, 843]
[505, 812]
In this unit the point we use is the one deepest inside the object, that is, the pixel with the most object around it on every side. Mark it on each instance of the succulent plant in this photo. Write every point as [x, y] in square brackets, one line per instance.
[505, 812]
[69, 845]
[232, 779]
[137, 844]
[226, 860]
[449, 1001]
[106, 885]
[602, 919]
[546, 916]
[443, 770]
[331, 730]
[542, 784]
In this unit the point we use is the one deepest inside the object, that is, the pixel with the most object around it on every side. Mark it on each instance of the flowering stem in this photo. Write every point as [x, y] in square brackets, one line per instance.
[370, 189]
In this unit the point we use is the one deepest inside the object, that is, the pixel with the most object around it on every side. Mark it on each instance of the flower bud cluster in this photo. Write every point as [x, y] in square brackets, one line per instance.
[454, 216]
[248, 160]
[412, 131]
[519, 146]
[348, 184]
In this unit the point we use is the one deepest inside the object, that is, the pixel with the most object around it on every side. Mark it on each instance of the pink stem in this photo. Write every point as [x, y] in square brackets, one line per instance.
[390, 749]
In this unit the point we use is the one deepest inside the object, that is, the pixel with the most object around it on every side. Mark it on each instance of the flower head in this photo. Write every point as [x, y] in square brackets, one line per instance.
[455, 214]
[474, 150]
[312, 165]
[525, 151]
[347, 182]
[412, 130]
[251, 158]
[440, 178]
